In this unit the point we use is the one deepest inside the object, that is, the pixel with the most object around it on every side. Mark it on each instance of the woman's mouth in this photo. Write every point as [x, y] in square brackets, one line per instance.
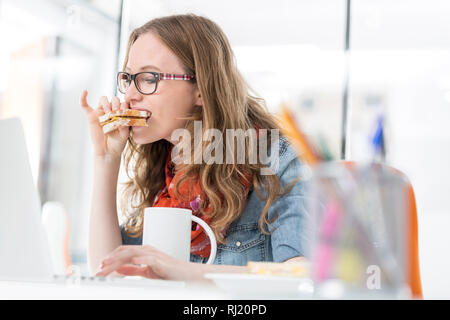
[143, 109]
[147, 119]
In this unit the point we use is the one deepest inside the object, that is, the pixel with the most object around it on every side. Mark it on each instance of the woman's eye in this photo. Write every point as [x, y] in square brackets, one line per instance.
[149, 80]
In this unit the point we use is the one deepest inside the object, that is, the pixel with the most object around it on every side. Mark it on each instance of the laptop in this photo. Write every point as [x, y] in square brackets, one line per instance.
[24, 249]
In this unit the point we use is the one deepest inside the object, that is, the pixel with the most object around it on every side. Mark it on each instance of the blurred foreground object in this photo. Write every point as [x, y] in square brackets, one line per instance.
[364, 225]
[57, 227]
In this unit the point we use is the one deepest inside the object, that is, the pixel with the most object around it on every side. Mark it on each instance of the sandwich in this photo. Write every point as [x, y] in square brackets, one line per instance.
[287, 269]
[122, 118]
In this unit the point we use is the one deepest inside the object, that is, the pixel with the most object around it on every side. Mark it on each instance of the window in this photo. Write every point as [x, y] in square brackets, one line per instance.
[51, 51]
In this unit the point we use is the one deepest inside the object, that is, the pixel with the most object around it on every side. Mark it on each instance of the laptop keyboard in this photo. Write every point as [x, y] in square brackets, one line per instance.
[117, 281]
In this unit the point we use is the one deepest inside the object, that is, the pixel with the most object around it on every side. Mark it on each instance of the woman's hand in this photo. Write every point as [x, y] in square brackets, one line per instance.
[110, 144]
[148, 262]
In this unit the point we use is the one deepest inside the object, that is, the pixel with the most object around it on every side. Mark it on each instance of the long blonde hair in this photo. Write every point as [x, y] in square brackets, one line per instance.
[205, 52]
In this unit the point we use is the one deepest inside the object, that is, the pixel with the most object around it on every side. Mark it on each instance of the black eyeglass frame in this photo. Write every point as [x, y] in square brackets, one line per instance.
[158, 77]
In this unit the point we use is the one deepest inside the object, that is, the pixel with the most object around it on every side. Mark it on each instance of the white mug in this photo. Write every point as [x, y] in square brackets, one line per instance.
[169, 230]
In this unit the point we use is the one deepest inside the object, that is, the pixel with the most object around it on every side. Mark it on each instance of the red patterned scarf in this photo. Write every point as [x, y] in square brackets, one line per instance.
[200, 244]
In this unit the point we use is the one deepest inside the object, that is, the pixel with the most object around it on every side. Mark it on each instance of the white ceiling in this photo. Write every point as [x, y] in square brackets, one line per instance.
[375, 24]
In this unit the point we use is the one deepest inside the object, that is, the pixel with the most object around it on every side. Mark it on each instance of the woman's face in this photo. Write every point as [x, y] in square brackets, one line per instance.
[172, 100]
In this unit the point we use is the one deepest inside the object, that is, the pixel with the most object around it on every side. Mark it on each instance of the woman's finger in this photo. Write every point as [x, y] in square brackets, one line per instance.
[124, 105]
[115, 103]
[83, 100]
[85, 105]
[124, 131]
[127, 251]
[133, 270]
[153, 263]
[91, 114]
[118, 257]
[107, 269]
[104, 103]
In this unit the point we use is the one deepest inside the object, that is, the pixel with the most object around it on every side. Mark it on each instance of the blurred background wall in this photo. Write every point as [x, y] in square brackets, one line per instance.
[292, 52]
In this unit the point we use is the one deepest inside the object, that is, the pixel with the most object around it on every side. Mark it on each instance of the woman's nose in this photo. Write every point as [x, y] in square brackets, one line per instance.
[132, 93]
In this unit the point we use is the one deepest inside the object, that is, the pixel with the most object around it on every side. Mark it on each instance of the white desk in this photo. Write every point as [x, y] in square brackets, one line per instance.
[189, 291]
[63, 291]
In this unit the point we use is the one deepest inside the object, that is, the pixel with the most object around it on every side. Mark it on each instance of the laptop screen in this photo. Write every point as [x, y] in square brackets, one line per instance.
[24, 250]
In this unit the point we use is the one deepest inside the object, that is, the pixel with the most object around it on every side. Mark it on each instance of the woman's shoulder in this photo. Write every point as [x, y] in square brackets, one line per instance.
[283, 157]
[284, 144]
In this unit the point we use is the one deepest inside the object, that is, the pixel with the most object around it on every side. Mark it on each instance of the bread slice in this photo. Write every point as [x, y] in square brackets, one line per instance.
[129, 117]
[123, 122]
[289, 269]
[124, 113]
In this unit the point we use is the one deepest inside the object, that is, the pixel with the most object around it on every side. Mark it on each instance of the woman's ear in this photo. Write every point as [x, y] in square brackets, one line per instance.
[198, 98]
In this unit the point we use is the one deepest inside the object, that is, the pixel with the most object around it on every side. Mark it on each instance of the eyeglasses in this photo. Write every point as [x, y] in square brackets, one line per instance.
[146, 82]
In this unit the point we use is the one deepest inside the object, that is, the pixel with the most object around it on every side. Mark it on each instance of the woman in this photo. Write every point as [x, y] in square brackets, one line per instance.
[255, 216]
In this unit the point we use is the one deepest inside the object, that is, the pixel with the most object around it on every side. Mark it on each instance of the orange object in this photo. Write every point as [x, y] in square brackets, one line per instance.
[191, 197]
[67, 260]
[412, 246]
[291, 130]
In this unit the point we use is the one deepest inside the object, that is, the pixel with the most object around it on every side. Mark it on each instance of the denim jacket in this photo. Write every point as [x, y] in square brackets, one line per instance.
[288, 235]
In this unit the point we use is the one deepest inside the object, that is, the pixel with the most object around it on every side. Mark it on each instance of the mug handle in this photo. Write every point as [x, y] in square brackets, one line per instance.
[212, 238]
